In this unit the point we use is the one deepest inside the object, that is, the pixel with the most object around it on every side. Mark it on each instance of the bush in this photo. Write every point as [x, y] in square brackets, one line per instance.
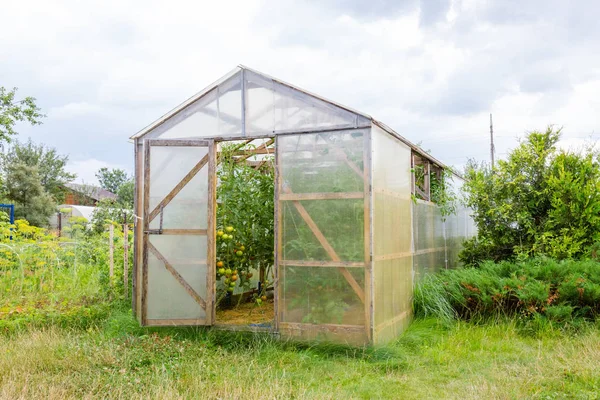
[558, 290]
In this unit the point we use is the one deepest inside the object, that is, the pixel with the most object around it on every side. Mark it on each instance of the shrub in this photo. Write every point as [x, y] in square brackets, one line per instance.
[559, 290]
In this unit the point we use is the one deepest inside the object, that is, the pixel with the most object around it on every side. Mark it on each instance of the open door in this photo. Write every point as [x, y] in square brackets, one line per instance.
[179, 231]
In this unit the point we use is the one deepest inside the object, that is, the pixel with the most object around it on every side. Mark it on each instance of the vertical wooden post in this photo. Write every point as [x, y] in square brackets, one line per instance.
[126, 258]
[426, 181]
[111, 251]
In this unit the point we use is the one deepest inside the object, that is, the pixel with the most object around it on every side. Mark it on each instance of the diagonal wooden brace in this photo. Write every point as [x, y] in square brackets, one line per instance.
[330, 251]
[186, 179]
[177, 276]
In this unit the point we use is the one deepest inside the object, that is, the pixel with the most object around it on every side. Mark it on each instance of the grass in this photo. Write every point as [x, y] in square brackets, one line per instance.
[67, 335]
[117, 359]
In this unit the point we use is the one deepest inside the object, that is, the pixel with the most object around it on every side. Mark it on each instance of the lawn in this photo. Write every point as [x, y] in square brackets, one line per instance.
[117, 359]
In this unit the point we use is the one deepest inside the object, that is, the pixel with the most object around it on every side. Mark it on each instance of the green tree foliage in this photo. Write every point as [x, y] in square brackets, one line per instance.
[118, 182]
[540, 201]
[51, 166]
[111, 179]
[13, 111]
[23, 187]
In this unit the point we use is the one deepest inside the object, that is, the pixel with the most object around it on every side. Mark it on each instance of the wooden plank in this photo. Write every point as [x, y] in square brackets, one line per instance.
[125, 258]
[146, 223]
[367, 236]
[391, 193]
[314, 263]
[278, 246]
[186, 179]
[331, 328]
[393, 256]
[111, 252]
[321, 196]
[427, 251]
[190, 290]
[138, 229]
[427, 181]
[194, 232]
[212, 233]
[178, 142]
[330, 251]
[176, 322]
[420, 192]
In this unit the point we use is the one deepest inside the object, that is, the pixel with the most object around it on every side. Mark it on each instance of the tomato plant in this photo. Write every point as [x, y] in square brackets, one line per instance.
[245, 223]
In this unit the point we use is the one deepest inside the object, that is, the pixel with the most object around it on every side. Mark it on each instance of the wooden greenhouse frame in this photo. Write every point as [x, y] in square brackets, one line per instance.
[397, 232]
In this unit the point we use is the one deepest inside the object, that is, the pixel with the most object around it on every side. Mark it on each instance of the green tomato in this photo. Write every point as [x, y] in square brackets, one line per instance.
[232, 284]
[225, 236]
[230, 290]
[221, 271]
[239, 253]
[228, 271]
[229, 229]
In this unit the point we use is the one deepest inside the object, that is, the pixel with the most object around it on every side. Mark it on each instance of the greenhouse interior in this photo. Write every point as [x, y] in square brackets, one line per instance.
[267, 208]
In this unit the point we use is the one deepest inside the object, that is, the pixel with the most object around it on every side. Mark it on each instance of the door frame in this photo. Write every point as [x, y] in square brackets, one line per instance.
[209, 302]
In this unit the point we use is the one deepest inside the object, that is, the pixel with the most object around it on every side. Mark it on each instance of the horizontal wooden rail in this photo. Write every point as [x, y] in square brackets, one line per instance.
[394, 256]
[321, 196]
[175, 322]
[311, 263]
[201, 232]
[333, 328]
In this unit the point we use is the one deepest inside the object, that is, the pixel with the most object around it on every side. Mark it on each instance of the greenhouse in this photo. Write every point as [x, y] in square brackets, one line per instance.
[264, 207]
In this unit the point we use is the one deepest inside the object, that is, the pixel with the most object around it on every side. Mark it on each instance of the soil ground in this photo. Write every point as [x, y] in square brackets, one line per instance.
[247, 313]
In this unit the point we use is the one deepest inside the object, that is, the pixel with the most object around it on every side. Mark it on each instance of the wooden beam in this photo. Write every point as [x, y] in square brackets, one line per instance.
[394, 256]
[330, 251]
[426, 181]
[199, 232]
[146, 225]
[186, 179]
[314, 263]
[367, 234]
[211, 244]
[321, 196]
[427, 251]
[262, 149]
[176, 322]
[190, 290]
[332, 328]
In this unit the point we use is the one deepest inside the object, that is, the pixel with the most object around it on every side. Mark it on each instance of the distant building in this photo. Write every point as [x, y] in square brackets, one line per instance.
[85, 195]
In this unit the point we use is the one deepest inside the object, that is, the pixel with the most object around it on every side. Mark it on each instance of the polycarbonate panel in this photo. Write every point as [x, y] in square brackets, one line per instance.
[392, 235]
[326, 170]
[217, 113]
[321, 295]
[167, 298]
[275, 107]
[168, 166]
[323, 162]
[430, 242]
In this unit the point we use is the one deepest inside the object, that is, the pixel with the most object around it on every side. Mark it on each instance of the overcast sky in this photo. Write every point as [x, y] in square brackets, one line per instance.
[433, 70]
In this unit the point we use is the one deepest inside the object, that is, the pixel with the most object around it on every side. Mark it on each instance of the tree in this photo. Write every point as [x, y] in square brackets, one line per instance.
[12, 111]
[50, 165]
[24, 189]
[540, 201]
[111, 179]
[118, 182]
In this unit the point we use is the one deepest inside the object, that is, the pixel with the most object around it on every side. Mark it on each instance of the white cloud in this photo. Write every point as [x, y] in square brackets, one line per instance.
[86, 169]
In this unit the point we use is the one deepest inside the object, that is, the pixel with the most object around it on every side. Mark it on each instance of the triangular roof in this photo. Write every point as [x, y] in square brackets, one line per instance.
[324, 113]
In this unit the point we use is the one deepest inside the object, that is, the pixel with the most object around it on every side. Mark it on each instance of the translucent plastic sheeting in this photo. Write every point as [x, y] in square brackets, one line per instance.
[392, 235]
[167, 298]
[274, 107]
[429, 238]
[217, 113]
[322, 221]
[168, 166]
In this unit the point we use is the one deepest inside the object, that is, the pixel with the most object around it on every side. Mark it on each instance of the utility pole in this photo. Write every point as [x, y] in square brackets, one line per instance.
[492, 149]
